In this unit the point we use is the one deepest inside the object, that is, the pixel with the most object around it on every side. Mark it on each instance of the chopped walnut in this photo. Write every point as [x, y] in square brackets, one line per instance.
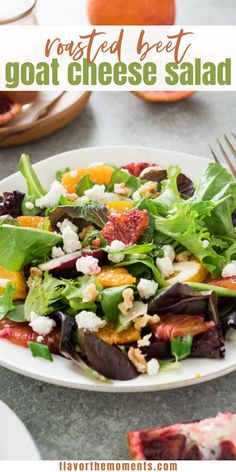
[35, 272]
[148, 190]
[121, 189]
[90, 293]
[145, 341]
[145, 320]
[183, 256]
[127, 304]
[138, 360]
[71, 197]
[86, 232]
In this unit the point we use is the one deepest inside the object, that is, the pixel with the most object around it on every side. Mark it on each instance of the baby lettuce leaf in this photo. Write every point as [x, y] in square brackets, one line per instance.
[147, 262]
[182, 299]
[110, 299]
[181, 346]
[220, 221]
[67, 347]
[170, 195]
[6, 303]
[108, 360]
[59, 173]
[34, 187]
[213, 180]
[20, 246]
[93, 213]
[84, 184]
[120, 176]
[17, 314]
[43, 294]
[73, 293]
[185, 228]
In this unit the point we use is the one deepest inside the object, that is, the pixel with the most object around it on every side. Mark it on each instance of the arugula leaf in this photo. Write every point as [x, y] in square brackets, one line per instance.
[84, 184]
[181, 346]
[59, 173]
[120, 176]
[6, 303]
[20, 246]
[185, 227]
[34, 187]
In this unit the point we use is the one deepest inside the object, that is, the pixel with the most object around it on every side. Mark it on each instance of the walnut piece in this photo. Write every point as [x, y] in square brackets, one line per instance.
[138, 360]
[90, 293]
[121, 189]
[86, 232]
[145, 320]
[145, 341]
[148, 190]
[127, 304]
[183, 256]
[35, 272]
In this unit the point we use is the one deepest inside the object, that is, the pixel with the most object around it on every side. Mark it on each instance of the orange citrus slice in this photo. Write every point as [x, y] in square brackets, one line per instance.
[115, 277]
[97, 174]
[17, 279]
[119, 206]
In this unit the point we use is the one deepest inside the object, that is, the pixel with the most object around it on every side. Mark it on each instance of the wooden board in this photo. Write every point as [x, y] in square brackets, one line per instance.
[58, 115]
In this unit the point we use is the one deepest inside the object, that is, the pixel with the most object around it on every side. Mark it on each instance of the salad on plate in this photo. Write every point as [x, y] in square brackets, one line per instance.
[126, 271]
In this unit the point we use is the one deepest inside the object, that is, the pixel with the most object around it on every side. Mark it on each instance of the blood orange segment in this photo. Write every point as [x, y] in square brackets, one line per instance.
[119, 206]
[115, 277]
[227, 282]
[135, 168]
[97, 174]
[17, 279]
[22, 333]
[31, 221]
[111, 335]
[126, 227]
[181, 325]
[158, 96]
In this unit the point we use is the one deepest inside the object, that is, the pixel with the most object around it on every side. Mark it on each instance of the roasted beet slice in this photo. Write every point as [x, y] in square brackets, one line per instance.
[65, 266]
[108, 360]
[208, 344]
[126, 227]
[10, 203]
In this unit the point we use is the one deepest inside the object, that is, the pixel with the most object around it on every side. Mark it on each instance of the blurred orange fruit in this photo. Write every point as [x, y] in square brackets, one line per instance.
[158, 96]
[97, 174]
[119, 206]
[111, 335]
[131, 12]
[31, 221]
[17, 279]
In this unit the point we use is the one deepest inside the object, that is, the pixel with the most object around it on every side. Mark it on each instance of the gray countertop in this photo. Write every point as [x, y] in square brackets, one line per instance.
[70, 424]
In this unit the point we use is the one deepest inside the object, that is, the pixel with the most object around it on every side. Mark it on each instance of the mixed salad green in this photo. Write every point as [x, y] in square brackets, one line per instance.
[126, 271]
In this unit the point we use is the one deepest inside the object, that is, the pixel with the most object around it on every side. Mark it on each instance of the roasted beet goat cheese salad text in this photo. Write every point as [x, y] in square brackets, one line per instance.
[126, 271]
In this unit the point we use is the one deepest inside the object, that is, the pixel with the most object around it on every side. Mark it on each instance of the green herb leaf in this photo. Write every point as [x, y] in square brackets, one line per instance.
[181, 346]
[40, 350]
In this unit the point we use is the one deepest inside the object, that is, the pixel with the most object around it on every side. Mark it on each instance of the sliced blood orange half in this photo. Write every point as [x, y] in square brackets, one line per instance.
[158, 96]
[181, 325]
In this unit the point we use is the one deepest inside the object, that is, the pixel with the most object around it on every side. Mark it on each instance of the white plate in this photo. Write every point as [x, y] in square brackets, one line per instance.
[16, 443]
[64, 372]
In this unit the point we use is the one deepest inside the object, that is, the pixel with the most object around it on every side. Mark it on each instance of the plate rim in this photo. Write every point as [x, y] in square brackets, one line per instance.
[121, 388]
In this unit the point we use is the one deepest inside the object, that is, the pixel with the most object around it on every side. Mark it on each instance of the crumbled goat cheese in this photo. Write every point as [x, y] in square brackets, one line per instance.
[138, 359]
[169, 252]
[86, 232]
[33, 315]
[88, 320]
[231, 335]
[205, 243]
[145, 320]
[148, 190]
[4, 282]
[71, 241]
[96, 193]
[183, 256]
[90, 293]
[229, 270]
[136, 196]
[147, 288]
[39, 339]
[127, 304]
[52, 197]
[29, 205]
[69, 223]
[88, 265]
[165, 266]
[57, 252]
[42, 325]
[116, 245]
[121, 189]
[153, 367]
[73, 174]
[145, 341]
